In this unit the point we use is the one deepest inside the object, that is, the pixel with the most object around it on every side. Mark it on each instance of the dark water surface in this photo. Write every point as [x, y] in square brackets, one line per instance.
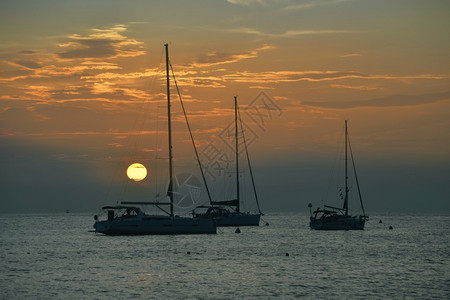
[50, 256]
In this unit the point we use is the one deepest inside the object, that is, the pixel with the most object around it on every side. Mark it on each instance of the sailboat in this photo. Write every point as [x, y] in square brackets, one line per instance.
[228, 212]
[335, 218]
[134, 221]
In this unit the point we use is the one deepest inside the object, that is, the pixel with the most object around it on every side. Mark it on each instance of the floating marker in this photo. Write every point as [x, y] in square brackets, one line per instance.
[267, 223]
[380, 222]
[390, 227]
[287, 254]
[237, 230]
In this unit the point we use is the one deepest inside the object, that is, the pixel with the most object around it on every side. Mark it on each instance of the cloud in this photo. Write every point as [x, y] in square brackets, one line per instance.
[101, 43]
[122, 76]
[304, 5]
[292, 76]
[313, 3]
[85, 133]
[89, 49]
[260, 87]
[27, 52]
[201, 82]
[317, 76]
[218, 58]
[39, 91]
[351, 55]
[246, 2]
[388, 101]
[110, 82]
[86, 60]
[48, 69]
[354, 87]
[218, 78]
[28, 64]
[9, 76]
[291, 33]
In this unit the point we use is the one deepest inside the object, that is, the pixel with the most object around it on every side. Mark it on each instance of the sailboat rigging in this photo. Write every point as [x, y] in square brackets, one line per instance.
[335, 218]
[133, 221]
[228, 212]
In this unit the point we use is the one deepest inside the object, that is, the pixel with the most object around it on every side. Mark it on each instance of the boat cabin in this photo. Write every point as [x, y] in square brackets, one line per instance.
[211, 211]
[115, 212]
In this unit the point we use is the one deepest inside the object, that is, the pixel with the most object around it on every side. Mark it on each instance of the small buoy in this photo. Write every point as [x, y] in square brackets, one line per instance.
[287, 254]
[188, 252]
[237, 230]
[267, 223]
[95, 217]
[390, 227]
[380, 222]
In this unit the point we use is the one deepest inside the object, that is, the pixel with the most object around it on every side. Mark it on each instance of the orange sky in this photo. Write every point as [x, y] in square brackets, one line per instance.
[79, 83]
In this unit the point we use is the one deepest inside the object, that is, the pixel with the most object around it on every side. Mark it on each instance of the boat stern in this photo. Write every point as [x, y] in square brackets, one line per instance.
[102, 226]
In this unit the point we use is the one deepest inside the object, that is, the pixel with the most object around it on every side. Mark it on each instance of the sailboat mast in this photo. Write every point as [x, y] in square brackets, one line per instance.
[248, 161]
[170, 189]
[346, 170]
[237, 154]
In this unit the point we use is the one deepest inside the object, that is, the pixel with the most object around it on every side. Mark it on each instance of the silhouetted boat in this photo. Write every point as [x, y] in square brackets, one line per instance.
[127, 219]
[228, 212]
[131, 220]
[334, 218]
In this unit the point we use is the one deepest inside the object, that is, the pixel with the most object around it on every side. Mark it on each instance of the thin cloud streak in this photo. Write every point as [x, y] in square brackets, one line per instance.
[219, 58]
[351, 55]
[291, 33]
[354, 87]
[388, 101]
[246, 2]
[295, 7]
[318, 76]
[314, 3]
[86, 133]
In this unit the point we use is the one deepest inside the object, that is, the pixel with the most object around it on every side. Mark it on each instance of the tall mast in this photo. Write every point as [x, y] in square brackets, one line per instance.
[346, 175]
[237, 153]
[170, 189]
[248, 161]
[356, 177]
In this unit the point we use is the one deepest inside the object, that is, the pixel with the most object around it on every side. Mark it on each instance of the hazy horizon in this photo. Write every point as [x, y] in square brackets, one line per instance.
[82, 96]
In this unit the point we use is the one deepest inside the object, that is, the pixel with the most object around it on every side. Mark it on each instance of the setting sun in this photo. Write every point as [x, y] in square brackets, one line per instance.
[136, 172]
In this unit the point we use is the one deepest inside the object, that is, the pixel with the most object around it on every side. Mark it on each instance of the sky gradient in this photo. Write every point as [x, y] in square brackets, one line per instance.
[82, 96]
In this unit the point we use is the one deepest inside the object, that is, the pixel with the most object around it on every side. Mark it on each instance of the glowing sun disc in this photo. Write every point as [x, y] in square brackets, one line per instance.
[136, 172]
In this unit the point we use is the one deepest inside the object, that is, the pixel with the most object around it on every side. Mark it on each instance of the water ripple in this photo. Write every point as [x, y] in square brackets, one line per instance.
[54, 256]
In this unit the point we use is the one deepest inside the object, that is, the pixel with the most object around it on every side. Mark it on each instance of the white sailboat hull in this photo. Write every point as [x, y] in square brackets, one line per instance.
[155, 225]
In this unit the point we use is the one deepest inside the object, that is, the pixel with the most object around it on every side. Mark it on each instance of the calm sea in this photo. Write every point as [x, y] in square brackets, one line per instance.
[51, 256]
